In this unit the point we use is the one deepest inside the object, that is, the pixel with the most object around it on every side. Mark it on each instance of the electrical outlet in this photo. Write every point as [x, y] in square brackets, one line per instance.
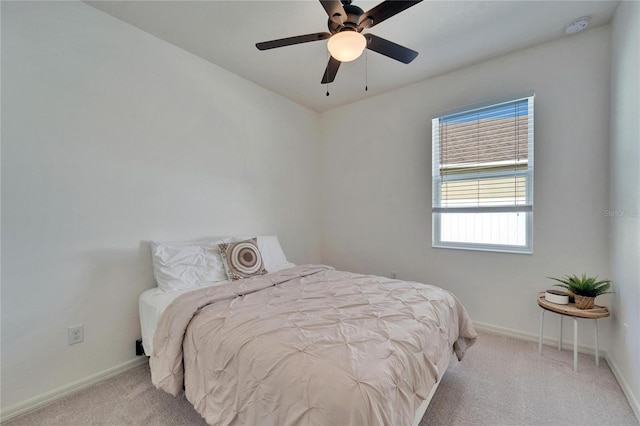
[394, 275]
[75, 334]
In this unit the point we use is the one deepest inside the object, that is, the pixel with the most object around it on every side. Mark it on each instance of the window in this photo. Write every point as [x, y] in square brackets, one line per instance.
[483, 177]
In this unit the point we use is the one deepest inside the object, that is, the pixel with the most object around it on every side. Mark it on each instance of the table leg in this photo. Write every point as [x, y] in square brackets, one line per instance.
[595, 327]
[560, 339]
[575, 344]
[541, 327]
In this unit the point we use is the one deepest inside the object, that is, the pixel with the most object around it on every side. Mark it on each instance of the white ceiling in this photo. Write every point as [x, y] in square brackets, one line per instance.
[447, 34]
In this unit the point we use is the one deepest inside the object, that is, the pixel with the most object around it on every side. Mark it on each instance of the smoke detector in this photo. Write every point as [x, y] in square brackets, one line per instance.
[576, 25]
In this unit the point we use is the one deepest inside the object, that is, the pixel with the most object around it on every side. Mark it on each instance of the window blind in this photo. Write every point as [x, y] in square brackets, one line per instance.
[482, 159]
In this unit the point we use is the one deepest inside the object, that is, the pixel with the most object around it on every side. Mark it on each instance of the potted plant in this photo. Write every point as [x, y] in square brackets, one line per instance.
[584, 288]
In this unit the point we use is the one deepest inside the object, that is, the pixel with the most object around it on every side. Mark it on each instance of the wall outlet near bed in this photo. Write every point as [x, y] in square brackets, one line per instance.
[75, 334]
[394, 275]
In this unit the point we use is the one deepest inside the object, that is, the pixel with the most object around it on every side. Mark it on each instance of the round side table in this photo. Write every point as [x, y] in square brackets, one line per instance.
[570, 310]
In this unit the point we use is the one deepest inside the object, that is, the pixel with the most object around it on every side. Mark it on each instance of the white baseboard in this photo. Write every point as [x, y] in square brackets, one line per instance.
[508, 332]
[548, 341]
[55, 394]
[633, 401]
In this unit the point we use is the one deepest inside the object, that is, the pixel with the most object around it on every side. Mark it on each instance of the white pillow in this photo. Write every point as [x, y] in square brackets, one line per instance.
[273, 257]
[183, 265]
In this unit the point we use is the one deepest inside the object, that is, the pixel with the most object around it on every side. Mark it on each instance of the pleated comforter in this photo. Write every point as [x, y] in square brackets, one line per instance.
[309, 345]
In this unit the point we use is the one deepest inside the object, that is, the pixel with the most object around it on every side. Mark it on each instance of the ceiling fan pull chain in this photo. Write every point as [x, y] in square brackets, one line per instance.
[366, 71]
[329, 59]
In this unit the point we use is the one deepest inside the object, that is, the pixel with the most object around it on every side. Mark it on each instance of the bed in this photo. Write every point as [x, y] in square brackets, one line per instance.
[304, 344]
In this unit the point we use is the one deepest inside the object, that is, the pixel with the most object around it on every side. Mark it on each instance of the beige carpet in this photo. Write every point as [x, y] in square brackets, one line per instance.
[501, 381]
[504, 381]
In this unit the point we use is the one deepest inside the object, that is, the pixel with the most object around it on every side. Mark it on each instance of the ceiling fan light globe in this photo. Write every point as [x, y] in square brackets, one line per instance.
[346, 46]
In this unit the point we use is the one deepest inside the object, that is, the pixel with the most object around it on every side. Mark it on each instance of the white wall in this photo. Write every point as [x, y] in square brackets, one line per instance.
[110, 138]
[377, 181]
[625, 196]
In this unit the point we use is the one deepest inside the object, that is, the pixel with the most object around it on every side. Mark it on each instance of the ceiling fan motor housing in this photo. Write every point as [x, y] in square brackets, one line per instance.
[350, 24]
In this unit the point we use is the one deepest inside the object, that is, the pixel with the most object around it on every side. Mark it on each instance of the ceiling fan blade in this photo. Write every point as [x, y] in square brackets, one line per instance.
[335, 11]
[384, 11]
[331, 70]
[272, 44]
[390, 49]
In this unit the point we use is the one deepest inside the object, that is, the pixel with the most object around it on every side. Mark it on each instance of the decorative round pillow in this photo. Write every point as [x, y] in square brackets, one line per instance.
[242, 259]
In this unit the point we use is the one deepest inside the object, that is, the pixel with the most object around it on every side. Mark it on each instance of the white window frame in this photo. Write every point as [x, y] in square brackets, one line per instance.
[437, 242]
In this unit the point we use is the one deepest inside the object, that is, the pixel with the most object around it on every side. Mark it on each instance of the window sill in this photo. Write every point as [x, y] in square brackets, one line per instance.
[484, 247]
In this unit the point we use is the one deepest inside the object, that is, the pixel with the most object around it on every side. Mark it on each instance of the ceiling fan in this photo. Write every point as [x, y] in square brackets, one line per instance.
[346, 42]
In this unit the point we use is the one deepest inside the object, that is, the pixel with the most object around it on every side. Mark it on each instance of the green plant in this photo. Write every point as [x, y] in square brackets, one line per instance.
[584, 286]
